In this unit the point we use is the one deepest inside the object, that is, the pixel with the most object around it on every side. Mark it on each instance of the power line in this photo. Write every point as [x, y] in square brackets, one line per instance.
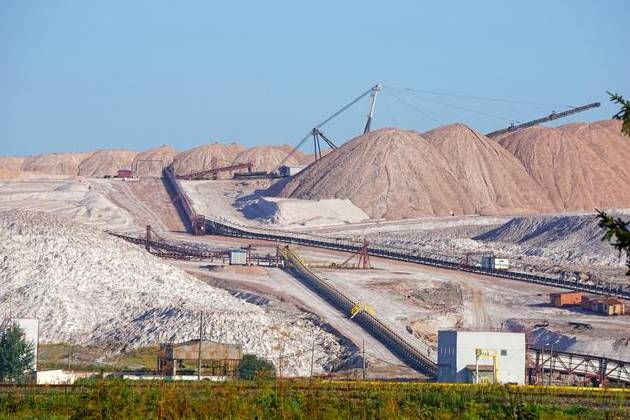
[487, 114]
[480, 98]
[424, 114]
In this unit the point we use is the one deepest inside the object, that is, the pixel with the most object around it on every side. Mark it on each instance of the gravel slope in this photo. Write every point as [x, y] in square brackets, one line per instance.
[388, 173]
[581, 166]
[495, 181]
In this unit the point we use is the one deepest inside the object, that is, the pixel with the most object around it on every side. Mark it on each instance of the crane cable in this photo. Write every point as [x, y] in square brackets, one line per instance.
[487, 114]
[418, 110]
[416, 93]
[480, 98]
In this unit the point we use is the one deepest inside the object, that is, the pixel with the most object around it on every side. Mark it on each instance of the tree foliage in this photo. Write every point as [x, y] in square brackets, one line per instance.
[624, 113]
[617, 233]
[253, 367]
[616, 230]
[17, 354]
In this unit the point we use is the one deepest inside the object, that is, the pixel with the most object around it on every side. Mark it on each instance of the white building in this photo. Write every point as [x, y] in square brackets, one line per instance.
[60, 377]
[30, 326]
[238, 257]
[479, 356]
[494, 263]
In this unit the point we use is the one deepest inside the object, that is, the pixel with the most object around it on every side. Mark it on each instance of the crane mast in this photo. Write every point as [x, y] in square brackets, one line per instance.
[375, 90]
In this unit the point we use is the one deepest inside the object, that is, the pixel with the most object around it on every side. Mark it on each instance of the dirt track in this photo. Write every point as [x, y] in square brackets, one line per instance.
[149, 203]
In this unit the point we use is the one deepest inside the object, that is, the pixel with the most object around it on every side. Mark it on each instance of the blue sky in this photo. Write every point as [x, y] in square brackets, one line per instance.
[79, 75]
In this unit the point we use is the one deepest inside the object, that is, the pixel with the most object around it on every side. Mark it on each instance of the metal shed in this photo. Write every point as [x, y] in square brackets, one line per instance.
[218, 359]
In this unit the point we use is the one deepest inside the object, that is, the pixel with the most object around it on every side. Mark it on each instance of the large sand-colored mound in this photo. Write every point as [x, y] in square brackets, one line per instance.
[206, 157]
[268, 158]
[55, 163]
[8, 174]
[302, 158]
[150, 162]
[106, 162]
[388, 173]
[581, 166]
[492, 178]
[11, 163]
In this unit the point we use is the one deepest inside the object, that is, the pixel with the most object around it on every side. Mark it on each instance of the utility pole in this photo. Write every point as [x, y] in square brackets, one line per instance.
[551, 365]
[148, 239]
[312, 359]
[199, 348]
[364, 364]
[69, 357]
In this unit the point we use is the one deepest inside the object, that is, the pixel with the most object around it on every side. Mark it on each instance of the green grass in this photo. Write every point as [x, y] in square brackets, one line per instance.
[117, 399]
[94, 359]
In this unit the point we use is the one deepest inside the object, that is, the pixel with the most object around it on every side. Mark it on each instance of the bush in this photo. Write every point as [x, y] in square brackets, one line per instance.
[253, 367]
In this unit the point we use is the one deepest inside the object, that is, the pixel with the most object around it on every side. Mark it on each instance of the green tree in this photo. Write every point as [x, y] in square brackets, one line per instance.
[253, 367]
[17, 355]
[624, 112]
[617, 231]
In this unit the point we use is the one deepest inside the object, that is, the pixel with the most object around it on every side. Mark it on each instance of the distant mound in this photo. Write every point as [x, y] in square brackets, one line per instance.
[206, 157]
[268, 158]
[576, 238]
[11, 163]
[491, 177]
[55, 163]
[151, 162]
[298, 155]
[388, 173]
[106, 162]
[581, 166]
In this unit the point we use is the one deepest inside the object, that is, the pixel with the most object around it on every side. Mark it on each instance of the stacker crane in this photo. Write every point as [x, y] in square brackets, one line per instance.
[550, 117]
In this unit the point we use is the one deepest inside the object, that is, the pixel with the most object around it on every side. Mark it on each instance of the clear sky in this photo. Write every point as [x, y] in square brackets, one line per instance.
[84, 75]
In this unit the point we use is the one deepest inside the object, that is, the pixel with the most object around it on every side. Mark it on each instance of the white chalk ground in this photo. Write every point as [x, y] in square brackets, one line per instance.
[87, 287]
[81, 199]
[215, 198]
[243, 203]
[291, 213]
[402, 297]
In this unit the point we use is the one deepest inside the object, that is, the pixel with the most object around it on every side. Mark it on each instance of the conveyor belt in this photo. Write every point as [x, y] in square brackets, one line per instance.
[409, 352]
[571, 363]
[603, 288]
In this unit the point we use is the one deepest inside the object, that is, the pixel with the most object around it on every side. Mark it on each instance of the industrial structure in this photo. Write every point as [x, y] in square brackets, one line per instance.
[214, 172]
[214, 359]
[597, 304]
[492, 262]
[463, 356]
[560, 300]
[551, 117]
[603, 305]
[412, 351]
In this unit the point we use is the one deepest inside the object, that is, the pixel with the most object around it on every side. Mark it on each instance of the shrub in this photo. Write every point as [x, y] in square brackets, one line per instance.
[253, 367]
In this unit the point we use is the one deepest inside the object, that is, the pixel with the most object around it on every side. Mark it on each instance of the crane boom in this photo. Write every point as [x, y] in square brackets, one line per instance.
[550, 117]
[373, 90]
